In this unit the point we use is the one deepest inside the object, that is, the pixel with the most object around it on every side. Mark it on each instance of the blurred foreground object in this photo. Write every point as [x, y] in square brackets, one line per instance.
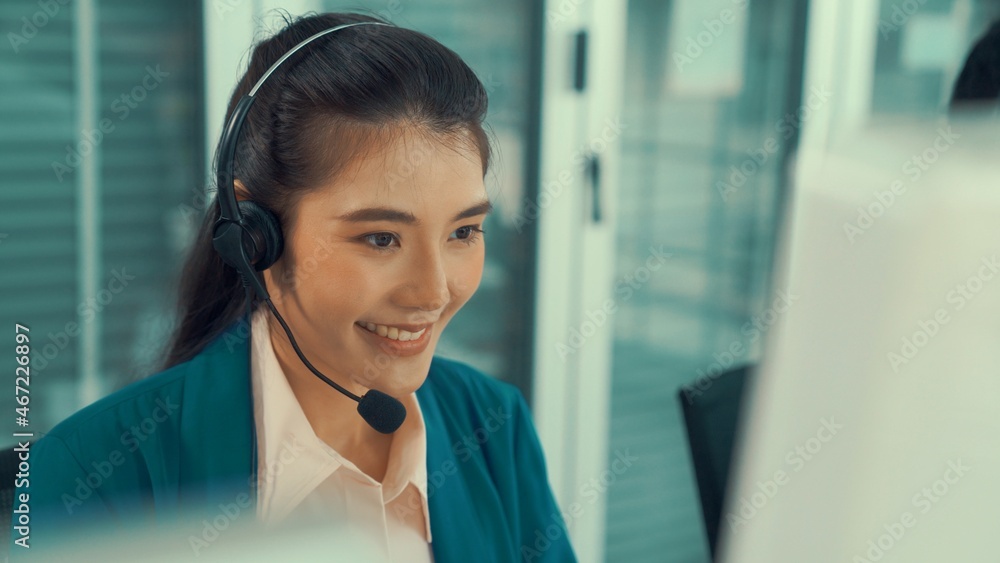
[872, 424]
[225, 538]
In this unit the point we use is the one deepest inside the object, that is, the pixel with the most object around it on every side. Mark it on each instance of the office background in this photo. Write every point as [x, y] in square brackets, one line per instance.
[110, 110]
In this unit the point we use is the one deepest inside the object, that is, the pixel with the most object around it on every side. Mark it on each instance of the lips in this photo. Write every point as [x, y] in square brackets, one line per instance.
[401, 326]
[398, 347]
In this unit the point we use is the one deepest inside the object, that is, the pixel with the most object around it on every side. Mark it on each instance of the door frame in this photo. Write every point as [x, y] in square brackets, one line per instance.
[576, 259]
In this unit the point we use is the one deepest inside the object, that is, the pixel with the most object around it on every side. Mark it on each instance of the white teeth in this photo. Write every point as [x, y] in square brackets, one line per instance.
[393, 333]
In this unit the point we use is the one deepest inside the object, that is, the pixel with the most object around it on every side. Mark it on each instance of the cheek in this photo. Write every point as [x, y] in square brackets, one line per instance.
[342, 286]
[323, 282]
[465, 280]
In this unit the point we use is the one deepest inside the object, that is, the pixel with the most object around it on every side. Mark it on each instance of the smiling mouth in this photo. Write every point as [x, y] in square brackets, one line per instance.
[394, 332]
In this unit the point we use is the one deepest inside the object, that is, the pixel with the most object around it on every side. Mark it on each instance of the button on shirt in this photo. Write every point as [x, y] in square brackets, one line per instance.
[301, 477]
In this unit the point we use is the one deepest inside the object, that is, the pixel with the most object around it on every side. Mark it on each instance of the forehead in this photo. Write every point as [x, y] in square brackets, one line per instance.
[411, 169]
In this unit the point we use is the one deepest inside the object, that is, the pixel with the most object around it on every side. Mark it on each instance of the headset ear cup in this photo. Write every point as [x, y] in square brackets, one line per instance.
[263, 229]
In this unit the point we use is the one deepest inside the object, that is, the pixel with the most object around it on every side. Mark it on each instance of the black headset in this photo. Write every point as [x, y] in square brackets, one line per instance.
[248, 237]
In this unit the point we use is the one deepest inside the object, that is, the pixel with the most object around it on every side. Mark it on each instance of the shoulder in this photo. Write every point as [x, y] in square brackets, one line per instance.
[155, 398]
[75, 460]
[209, 378]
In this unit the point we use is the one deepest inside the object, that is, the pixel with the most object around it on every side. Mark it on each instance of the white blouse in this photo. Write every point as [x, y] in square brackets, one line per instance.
[301, 477]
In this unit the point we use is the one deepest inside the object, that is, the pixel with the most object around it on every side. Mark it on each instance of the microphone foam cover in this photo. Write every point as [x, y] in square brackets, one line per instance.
[382, 412]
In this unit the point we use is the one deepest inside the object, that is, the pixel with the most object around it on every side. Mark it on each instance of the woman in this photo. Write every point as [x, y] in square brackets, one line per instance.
[364, 156]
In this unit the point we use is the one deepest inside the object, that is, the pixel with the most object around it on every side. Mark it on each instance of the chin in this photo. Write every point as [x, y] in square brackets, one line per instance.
[405, 387]
[400, 380]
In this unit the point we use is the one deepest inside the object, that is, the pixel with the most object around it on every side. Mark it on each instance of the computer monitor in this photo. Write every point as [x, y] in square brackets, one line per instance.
[873, 423]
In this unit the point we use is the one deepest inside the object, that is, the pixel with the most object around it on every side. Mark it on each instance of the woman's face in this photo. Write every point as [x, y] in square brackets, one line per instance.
[393, 242]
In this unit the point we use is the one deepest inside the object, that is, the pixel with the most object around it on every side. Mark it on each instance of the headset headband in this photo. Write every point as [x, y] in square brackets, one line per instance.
[229, 211]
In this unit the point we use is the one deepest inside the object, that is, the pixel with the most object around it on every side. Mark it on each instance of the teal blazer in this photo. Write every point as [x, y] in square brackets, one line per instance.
[184, 440]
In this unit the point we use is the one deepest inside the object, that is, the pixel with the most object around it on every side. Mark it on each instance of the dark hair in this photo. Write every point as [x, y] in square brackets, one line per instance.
[356, 90]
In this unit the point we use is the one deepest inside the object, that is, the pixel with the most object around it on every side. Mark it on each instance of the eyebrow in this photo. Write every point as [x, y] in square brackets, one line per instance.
[484, 207]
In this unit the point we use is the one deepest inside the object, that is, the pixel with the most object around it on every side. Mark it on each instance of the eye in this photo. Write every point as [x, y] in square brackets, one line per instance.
[376, 241]
[472, 234]
[382, 242]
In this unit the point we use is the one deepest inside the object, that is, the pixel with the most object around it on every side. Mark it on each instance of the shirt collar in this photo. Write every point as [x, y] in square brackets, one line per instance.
[407, 453]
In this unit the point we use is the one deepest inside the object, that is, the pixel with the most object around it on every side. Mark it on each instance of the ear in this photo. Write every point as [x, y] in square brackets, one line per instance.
[241, 190]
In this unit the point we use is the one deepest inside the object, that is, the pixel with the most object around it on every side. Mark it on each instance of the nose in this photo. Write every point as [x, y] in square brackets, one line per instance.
[427, 289]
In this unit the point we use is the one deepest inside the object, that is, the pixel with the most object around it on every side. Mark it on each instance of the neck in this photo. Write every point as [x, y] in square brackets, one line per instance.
[333, 416]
